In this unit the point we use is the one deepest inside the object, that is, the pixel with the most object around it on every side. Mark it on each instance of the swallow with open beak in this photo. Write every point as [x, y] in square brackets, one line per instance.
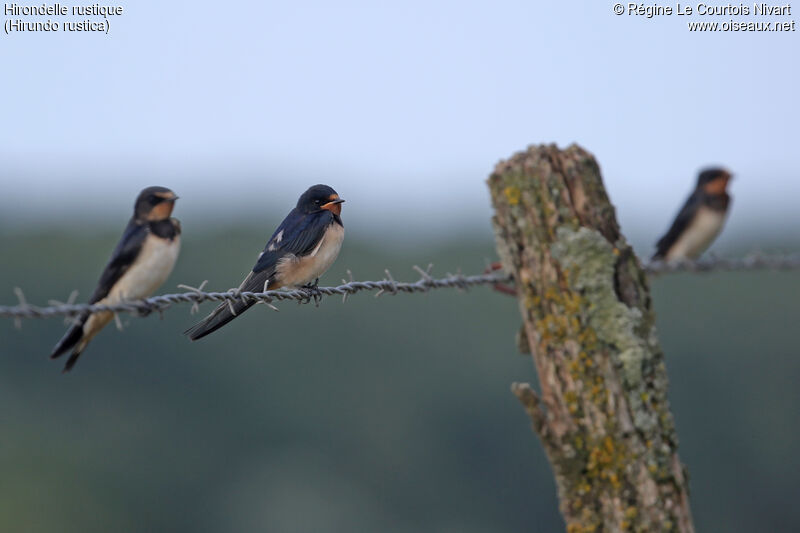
[303, 247]
[699, 221]
[141, 262]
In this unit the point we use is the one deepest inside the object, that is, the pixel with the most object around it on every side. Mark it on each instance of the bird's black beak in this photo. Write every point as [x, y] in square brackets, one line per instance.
[332, 203]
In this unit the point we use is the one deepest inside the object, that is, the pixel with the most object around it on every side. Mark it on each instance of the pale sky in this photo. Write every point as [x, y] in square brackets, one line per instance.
[404, 109]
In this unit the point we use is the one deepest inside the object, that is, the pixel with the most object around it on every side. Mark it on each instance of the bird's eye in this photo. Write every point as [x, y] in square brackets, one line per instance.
[316, 202]
[153, 199]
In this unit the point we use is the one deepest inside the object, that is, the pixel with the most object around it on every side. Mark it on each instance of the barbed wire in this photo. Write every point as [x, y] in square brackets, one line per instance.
[196, 295]
[753, 261]
[499, 279]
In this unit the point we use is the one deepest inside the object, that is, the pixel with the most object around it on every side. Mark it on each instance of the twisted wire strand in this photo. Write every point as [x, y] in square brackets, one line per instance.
[196, 296]
[753, 261]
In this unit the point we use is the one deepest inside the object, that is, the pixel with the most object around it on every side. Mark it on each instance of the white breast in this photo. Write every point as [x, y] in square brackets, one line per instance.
[297, 271]
[327, 250]
[699, 235]
[151, 269]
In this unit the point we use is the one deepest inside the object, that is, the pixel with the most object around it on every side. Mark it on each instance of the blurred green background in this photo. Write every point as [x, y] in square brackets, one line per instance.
[390, 414]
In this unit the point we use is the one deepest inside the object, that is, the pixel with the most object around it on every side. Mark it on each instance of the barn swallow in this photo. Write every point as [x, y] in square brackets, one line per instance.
[303, 247]
[700, 219]
[140, 263]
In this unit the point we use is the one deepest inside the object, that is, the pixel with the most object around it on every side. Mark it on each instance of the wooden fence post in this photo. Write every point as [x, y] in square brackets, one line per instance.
[603, 416]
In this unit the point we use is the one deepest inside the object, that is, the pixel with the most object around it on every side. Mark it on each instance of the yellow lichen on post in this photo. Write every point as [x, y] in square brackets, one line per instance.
[603, 416]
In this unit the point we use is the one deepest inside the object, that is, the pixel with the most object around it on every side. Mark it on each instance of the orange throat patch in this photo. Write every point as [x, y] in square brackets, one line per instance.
[333, 205]
[717, 186]
[161, 211]
[336, 209]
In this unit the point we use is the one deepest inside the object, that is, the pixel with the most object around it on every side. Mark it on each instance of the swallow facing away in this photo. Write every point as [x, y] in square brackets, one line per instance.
[140, 263]
[699, 221]
[303, 247]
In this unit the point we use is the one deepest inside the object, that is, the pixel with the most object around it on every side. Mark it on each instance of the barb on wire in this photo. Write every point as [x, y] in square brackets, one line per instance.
[497, 278]
[196, 295]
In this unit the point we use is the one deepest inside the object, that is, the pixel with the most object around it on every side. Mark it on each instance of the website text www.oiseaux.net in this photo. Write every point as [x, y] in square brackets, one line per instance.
[733, 25]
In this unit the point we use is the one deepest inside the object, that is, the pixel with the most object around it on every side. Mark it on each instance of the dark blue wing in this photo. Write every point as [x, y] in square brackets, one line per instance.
[682, 221]
[298, 234]
[122, 258]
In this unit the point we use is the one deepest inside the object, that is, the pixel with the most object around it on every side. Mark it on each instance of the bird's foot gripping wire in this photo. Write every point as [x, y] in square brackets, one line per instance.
[312, 291]
[143, 312]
